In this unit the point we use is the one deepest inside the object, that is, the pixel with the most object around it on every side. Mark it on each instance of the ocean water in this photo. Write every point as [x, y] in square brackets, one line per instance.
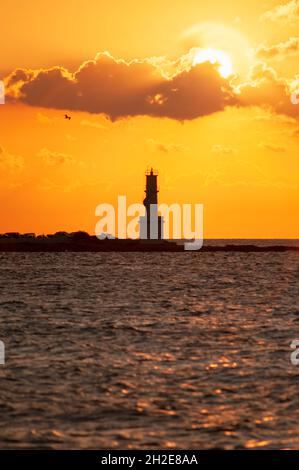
[149, 350]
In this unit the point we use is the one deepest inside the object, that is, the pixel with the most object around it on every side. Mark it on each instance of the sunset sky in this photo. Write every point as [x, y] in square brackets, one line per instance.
[201, 91]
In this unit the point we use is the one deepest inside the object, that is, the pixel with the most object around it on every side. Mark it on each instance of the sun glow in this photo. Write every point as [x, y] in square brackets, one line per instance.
[214, 56]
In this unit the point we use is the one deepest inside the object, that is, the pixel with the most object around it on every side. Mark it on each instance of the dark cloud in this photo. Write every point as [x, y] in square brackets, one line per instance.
[119, 89]
[266, 89]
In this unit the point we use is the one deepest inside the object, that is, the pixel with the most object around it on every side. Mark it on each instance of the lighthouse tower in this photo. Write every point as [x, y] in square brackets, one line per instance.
[151, 225]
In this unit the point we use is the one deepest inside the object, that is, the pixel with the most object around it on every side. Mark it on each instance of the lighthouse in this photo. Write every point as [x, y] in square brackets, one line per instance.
[151, 225]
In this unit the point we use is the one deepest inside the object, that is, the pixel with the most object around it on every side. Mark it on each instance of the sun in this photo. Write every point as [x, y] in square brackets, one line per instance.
[220, 44]
[214, 56]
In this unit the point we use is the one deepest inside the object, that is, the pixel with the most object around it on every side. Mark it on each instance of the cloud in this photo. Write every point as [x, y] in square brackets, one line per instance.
[221, 149]
[275, 118]
[120, 89]
[167, 147]
[287, 12]
[96, 125]
[9, 162]
[281, 50]
[272, 147]
[43, 119]
[266, 89]
[54, 158]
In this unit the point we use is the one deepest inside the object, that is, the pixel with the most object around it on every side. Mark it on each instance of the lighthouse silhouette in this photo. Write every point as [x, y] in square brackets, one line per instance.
[151, 225]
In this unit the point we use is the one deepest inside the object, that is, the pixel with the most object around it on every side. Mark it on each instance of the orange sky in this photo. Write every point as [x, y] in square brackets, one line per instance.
[229, 142]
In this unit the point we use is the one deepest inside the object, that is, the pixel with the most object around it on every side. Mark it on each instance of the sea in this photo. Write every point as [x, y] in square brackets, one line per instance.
[186, 350]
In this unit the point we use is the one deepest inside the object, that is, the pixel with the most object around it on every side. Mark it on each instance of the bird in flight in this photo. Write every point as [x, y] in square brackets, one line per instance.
[67, 117]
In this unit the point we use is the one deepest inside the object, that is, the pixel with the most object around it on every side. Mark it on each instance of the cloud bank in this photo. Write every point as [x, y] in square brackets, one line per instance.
[122, 89]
